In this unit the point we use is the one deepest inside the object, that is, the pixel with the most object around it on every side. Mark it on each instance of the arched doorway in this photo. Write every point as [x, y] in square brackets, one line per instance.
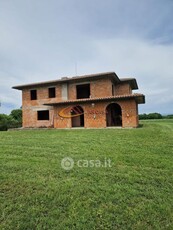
[113, 115]
[77, 119]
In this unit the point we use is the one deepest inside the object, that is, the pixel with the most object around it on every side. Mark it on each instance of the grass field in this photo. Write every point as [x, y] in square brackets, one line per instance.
[136, 192]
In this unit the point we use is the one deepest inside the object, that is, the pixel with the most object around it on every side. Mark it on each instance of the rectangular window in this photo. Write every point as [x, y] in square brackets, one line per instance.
[112, 90]
[83, 91]
[33, 94]
[43, 115]
[52, 92]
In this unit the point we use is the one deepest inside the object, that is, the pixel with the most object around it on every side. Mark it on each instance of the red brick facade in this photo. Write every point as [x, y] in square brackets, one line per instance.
[110, 98]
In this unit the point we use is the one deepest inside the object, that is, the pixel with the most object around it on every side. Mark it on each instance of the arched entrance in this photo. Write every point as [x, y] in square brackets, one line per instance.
[77, 119]
[113, 115]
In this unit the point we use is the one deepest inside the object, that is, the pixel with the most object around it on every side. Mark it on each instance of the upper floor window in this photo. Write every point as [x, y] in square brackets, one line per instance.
[83, 91]
[112, 90]
[33, 94]
[52, 92]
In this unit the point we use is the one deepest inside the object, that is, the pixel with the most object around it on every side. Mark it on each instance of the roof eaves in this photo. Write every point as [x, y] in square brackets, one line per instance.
[140, 98]
[131, 81]
[66, 80]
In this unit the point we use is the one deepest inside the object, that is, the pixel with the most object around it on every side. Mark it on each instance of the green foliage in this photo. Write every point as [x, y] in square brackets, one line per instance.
[4, 122]
[14, 120]
[170, 116]
[135, 193]
[150, 116]
[16, 114]
[145, 116]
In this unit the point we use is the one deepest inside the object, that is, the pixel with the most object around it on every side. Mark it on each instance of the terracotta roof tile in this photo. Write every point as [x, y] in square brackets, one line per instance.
[140, 97]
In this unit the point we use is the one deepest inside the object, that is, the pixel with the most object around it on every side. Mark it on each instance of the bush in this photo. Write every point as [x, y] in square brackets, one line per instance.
[4, 122]
[16, 114]
[14, 120]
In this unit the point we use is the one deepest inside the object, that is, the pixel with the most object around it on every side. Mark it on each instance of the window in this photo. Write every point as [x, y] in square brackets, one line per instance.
[83, 91]
[33, 94]
[52, 92]
[43, 115]
[112, 90]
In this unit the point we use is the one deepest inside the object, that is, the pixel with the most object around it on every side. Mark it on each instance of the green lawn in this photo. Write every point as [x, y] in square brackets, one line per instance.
[136, 192]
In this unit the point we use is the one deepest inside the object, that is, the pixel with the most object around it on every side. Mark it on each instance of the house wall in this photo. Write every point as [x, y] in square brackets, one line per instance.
[101, 88]
[98, 88]
[122, 89]
[95, 116]
[30, 107]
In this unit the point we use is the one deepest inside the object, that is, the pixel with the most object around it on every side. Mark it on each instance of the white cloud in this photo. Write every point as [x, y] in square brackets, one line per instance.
[149, 64]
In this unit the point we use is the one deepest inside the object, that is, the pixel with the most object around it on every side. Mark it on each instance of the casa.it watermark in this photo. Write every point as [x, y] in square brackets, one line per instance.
[77, 110]
[68, 163]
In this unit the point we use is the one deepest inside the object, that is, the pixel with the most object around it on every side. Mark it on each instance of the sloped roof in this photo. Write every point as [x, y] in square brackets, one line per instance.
[140, 98]
[111, 75]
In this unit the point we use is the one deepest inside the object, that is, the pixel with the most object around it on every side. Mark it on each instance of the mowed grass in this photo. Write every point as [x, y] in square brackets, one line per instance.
[136, 192]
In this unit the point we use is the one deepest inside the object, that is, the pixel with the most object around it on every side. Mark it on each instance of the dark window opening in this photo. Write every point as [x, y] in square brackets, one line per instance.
[83, 91]
[43, 115]
[33, 94]
[52, 92]
[112, 90]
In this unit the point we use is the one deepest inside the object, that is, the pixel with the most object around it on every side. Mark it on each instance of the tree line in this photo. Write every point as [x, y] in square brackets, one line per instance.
[14, 120]
[145, 116]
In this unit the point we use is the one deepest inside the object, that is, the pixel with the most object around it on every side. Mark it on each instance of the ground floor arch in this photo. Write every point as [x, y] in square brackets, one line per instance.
[113, 115]
[77, 116]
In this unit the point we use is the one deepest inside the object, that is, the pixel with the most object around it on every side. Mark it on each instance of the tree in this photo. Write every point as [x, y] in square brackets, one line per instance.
[14, 120]
[16, 114]
[3, 122]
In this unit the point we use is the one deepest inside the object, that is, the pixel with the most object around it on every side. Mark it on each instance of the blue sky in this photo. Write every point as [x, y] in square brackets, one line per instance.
[42, 40]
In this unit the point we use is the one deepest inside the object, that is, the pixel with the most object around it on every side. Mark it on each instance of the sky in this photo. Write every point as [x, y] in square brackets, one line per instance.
[44, 40]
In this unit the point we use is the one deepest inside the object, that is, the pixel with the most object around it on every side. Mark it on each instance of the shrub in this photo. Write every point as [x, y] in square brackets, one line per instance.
[14, 120]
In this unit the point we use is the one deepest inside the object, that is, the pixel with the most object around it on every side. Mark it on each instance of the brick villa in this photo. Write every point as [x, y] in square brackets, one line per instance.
[91, 101]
